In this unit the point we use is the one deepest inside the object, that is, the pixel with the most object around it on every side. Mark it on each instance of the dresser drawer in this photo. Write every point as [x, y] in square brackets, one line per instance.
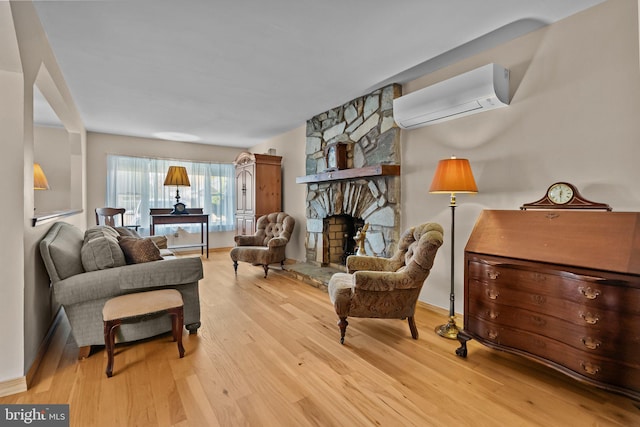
[585, 290]
[611, 335]
[590, 366]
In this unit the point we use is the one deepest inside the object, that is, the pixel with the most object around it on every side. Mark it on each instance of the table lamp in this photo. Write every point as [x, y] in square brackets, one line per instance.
[177, 175]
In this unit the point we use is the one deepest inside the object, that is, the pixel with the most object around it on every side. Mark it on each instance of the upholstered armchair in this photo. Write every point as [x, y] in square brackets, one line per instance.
[386, 287]
[267, 245]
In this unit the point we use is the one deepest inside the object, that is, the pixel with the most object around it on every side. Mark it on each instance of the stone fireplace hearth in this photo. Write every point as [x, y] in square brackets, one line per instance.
[367, 127]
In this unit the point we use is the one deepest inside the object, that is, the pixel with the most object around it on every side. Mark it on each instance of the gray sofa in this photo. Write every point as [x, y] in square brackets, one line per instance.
[83, 293]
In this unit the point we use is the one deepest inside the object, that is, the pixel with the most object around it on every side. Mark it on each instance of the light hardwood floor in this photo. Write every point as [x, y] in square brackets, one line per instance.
[268, 354]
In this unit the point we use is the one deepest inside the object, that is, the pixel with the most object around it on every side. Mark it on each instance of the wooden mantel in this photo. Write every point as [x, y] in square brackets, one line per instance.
[353, 173]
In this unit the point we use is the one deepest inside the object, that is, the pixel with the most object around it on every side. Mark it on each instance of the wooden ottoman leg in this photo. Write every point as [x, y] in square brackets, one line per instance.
[177, 324]
[110, 327]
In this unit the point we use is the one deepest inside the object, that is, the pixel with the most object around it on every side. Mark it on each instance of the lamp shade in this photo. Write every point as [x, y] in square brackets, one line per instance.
[453, 176]
[177, 175]
[39, 178]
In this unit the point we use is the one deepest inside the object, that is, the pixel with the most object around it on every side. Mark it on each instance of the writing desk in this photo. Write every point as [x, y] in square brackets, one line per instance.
[161, 216]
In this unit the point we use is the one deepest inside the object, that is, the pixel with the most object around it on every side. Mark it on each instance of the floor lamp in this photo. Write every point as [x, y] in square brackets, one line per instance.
[452, 176]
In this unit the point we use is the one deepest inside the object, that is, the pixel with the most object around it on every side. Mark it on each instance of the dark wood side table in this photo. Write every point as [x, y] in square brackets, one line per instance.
[195, 216]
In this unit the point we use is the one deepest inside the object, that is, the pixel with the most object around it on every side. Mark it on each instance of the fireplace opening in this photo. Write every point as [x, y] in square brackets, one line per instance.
[337, 236]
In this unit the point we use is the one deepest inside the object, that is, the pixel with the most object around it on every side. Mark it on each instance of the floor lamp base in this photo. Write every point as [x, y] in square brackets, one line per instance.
[450, 330]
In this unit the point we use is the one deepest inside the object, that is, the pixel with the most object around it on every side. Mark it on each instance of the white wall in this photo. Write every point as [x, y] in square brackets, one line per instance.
[100, 145]
[25, 307]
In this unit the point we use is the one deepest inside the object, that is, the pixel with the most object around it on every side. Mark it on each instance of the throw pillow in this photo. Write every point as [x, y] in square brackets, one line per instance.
[129, 232]
[160, 241]
[101, 252]
[137, 251]
[100, 230]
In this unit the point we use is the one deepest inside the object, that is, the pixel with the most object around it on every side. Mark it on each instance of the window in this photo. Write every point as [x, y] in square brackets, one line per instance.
[137, 184]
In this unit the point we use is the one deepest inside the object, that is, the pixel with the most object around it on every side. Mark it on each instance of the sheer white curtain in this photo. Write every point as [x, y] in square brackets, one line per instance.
[137, 184]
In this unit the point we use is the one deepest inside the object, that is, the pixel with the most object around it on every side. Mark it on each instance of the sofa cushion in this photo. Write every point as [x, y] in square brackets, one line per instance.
[101, 250]
[137, 251]
[60, 251]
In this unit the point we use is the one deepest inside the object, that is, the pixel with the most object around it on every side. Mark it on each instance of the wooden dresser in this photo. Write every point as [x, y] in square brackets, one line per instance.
[560, 287]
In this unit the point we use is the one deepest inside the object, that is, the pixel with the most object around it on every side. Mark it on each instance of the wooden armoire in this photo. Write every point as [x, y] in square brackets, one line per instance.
[258, 188]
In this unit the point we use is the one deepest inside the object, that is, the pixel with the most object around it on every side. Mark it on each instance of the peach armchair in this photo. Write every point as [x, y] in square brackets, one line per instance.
[387, 287]
[267, 245]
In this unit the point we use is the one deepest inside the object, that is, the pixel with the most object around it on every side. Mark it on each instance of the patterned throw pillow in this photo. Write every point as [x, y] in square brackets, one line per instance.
[137, 250]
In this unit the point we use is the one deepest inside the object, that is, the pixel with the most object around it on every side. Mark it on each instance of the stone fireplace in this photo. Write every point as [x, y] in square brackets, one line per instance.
[339, 203]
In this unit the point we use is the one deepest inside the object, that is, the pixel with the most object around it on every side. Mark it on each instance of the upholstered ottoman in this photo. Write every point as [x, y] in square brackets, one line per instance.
[132, 307]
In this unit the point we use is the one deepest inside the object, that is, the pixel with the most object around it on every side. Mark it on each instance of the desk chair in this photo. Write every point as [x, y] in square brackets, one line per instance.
[109, 215]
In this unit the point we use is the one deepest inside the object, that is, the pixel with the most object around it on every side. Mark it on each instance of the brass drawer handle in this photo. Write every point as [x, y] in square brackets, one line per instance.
[590, 343]
[591, 319]
[493, 275]
[589, 293]
[492, 294]
[589, 367]
[539, 299]
[538, 321]
[539, 277]
[492, 335]
[493, 315]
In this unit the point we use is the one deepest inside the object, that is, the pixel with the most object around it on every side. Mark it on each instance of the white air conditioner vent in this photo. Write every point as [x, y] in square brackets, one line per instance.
[482, 89]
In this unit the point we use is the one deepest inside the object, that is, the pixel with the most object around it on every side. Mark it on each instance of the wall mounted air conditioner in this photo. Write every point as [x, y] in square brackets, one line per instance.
[482, 89]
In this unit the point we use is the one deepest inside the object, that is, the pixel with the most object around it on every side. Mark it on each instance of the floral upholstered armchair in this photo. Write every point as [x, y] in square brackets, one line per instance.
[267, 245]
[387, 287]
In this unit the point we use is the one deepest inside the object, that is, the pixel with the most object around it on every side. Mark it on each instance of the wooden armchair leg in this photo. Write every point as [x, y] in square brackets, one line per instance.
[412, 326]
[342, 323]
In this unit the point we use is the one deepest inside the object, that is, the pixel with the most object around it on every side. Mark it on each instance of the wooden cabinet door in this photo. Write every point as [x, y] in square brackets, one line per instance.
[244, 189]
[249, 194]
[240, 225]
[245, 225]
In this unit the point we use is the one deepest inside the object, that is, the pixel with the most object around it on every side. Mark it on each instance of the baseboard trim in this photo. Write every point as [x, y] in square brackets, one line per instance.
[44, 346]
[16, 385]
[433, 308]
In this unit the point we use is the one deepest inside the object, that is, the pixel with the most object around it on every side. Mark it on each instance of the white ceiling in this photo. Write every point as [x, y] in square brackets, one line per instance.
[238, 72]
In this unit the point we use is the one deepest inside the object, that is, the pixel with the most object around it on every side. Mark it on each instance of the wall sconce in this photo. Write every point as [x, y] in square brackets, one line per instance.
[177, 175]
